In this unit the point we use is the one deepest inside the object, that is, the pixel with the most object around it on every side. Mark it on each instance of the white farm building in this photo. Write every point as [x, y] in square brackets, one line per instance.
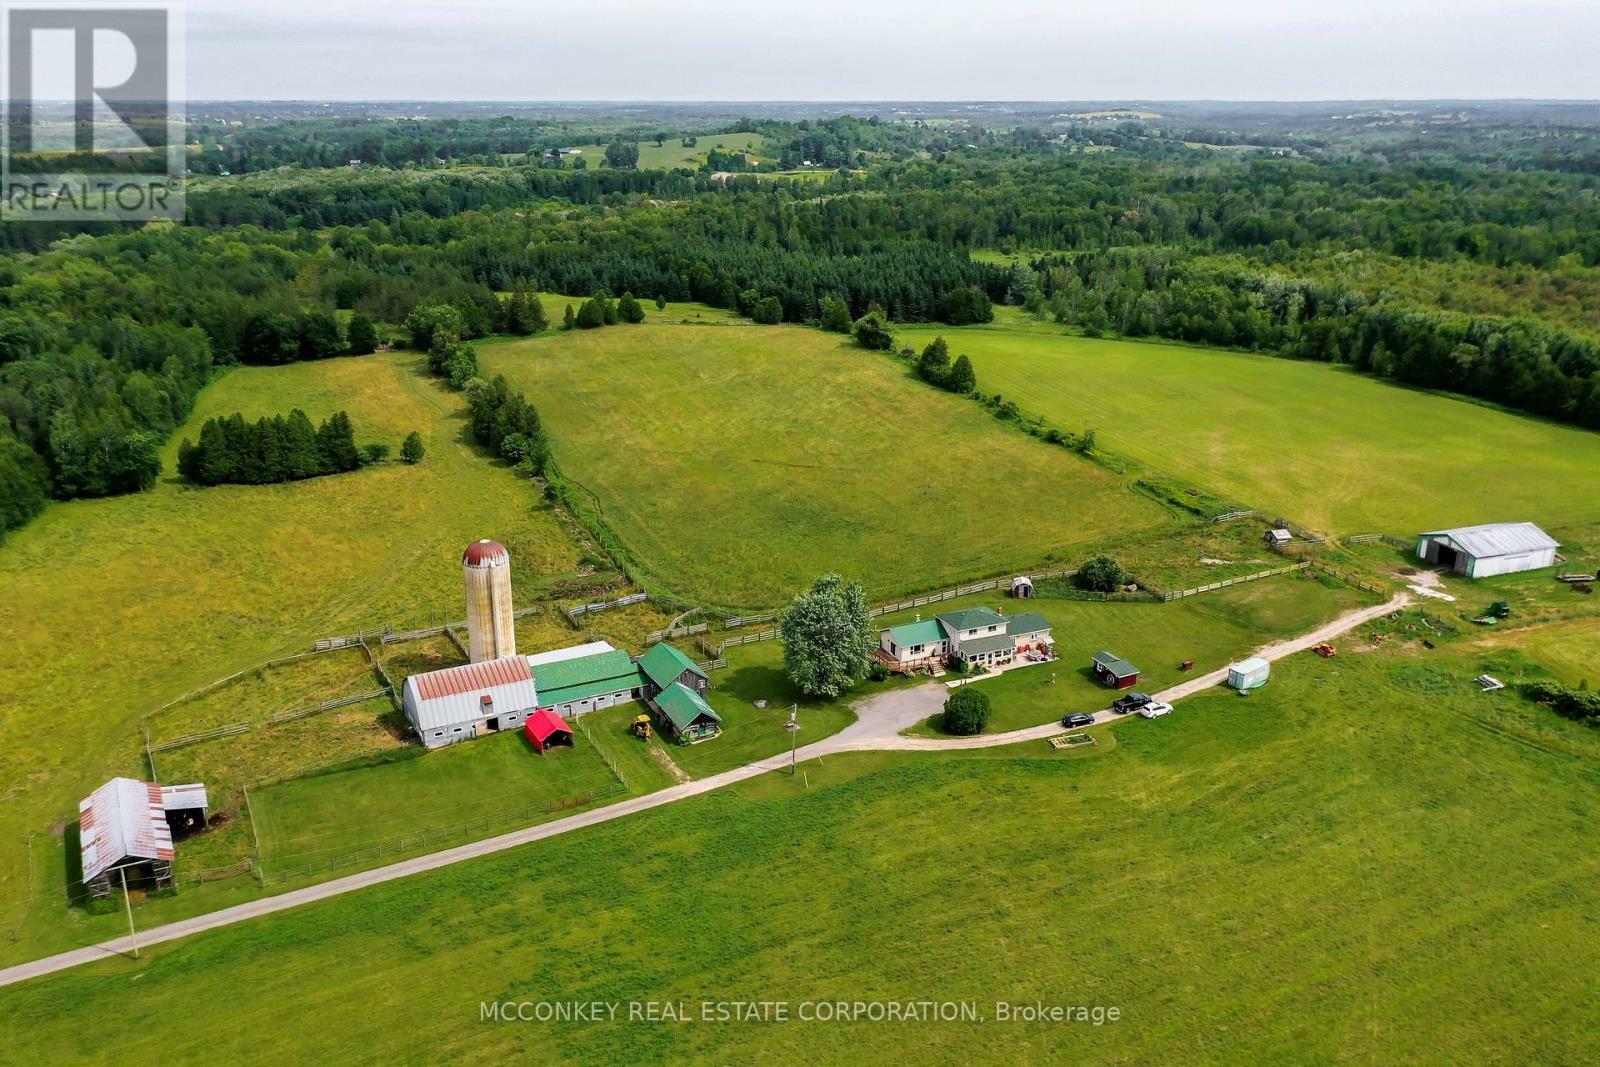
[1490, 549]
[458, 703]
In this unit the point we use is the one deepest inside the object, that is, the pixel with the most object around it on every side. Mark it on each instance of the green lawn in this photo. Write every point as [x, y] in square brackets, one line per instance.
[1329, 448]
[736, 463]
[167, 590]
[1213, 629]
[1367, 862]
[329, 816]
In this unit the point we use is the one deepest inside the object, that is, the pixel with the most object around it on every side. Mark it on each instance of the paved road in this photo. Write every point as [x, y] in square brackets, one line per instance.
[877, 728]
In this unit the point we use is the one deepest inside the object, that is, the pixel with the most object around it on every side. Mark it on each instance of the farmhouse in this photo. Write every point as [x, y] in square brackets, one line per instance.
[122, 830]
[458, 703]
[1490, 549]
[973, 636]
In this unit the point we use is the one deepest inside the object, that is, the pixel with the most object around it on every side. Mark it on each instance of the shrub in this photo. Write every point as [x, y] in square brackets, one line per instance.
[873, 331]
[966, 712]
[1102, 574]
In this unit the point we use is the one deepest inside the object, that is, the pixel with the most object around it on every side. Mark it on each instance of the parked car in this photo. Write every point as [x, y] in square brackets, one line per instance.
[1077, 719]
[1132, 702]
[1155, 709]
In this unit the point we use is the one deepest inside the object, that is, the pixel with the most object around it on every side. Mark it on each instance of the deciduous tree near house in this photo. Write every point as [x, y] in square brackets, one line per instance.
[827, 637]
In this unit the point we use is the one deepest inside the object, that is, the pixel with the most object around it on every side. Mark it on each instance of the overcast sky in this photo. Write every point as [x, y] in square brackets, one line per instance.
[892, 49]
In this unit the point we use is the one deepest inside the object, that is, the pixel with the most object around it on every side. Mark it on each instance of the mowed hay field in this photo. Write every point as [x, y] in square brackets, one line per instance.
[738, 462]
[1346, 867]
[113, 607]
[1325, 446]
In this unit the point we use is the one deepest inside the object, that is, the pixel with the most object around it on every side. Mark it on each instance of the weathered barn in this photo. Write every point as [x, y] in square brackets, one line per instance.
[458, 703]
[545, 728]
[1490, 549]
[122, 831]
[664, 665]
[688, 717]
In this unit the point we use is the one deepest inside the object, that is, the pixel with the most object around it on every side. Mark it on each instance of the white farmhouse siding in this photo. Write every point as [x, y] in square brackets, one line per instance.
[913, 642]
[1490, 549]
[458, 703]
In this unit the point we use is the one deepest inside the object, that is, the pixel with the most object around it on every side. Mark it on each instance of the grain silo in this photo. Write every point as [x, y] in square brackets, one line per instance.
[491, 631]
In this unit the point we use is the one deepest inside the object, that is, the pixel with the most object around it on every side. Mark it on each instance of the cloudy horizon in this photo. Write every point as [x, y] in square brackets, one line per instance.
[718, 50]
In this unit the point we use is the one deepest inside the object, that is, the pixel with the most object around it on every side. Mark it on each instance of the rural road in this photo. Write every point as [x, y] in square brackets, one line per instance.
[876, 729]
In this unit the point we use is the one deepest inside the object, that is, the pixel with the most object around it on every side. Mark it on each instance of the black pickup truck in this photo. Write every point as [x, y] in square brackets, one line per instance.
[1132, 702]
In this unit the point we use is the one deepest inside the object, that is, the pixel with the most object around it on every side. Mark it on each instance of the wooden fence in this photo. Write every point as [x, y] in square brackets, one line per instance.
[230, 730]
[1225, 583]
[616, 772]
[676, 631]
[327, 644]
[327, 705]
[573, 612]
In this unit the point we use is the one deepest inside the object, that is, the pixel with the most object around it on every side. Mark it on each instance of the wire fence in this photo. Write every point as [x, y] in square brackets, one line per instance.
[430, 840]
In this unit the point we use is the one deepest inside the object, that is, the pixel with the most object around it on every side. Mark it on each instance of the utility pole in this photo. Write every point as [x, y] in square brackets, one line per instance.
[793, 726]
[133, 934]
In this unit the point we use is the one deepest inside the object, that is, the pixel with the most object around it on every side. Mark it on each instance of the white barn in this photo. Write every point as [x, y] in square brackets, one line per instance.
[462, 702]
[1490, 549]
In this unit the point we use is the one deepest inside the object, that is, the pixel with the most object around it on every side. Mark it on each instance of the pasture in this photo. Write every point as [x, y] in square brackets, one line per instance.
[115, 606]
[735, 463]
[1329, 448]
[1336, 855]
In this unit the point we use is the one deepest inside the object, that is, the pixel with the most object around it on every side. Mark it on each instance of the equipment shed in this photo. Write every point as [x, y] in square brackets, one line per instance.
[1490, 549]
[1111, 669]
[545, 728]
[122, 829]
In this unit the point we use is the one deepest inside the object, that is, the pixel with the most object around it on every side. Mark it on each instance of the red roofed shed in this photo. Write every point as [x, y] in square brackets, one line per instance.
[546, 728]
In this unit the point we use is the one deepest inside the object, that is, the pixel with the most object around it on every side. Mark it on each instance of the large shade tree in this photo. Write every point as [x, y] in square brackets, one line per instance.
[827, 637]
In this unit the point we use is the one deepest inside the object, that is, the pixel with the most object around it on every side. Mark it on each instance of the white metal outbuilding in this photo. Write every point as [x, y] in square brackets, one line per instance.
[123, 824]
[458, 703]
[1490, 549]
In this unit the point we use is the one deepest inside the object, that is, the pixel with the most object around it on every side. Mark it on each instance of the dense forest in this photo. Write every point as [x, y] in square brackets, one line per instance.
[107, 333]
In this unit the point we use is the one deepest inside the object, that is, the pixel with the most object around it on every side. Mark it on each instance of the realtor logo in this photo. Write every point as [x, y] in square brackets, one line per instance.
[94, 118]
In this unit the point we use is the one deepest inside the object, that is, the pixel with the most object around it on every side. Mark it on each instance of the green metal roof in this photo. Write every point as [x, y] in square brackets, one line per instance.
[587, 676]
[972, 619]
[977, 646]
[1115, 664]
[663, 663]
[1026, 623]
[683, 706]
[922, 632]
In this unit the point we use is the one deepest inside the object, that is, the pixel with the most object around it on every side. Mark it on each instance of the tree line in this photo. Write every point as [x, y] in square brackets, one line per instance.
[278, 448]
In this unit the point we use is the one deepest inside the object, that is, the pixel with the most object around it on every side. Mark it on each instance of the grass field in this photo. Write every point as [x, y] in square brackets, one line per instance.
[113, 607]
[1331, 449]
[736, 463]
[1213, 630]
[1367, 862]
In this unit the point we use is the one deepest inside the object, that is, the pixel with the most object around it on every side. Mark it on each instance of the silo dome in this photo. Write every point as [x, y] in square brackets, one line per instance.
[485, 553]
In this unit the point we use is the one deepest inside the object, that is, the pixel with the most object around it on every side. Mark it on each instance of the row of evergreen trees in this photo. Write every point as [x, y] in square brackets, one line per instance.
[935, 368]
[506, 424]
[600, 310]
[276, 449]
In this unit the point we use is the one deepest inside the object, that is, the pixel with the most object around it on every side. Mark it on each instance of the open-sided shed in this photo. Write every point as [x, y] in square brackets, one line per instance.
[545, 728]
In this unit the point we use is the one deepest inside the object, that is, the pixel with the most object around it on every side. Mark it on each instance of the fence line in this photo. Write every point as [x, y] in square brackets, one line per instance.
[573, 612]
[234, 677]
[604, 755]
[1225, 583]
[221, 874]
[714, 664]
[190, 739]
[327, 705]
[676, 631]
[426, 838]
[327, 644]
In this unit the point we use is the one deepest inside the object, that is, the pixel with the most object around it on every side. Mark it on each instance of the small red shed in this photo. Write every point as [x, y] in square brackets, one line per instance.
[545, 728]
[1112, 670]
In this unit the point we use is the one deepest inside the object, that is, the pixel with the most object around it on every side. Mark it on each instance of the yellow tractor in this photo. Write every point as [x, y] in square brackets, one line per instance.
[641, 727]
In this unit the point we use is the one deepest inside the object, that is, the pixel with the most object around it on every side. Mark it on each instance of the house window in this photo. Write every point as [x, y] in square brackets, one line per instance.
[914, 649]
[992, 629]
